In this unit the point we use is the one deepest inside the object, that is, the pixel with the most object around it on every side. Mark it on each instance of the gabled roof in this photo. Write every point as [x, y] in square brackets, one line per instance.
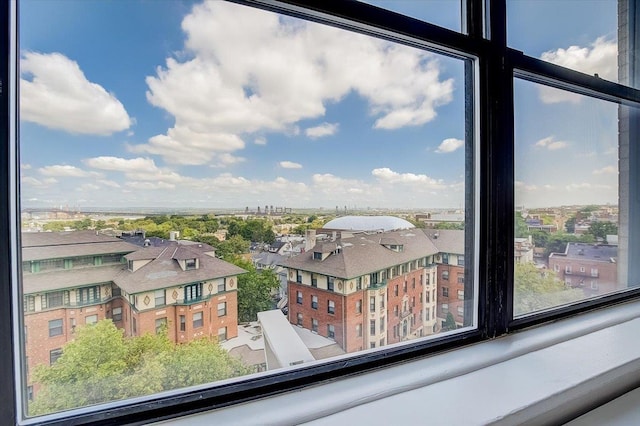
[447, 240]
[364, 254]
[164, 271]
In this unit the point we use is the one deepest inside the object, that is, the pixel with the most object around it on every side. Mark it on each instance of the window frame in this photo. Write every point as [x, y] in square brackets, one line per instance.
[494, 70]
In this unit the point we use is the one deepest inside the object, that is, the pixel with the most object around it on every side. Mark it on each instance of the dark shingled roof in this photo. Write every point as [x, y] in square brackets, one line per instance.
[59, 245]
[72, 278]
[363, 254]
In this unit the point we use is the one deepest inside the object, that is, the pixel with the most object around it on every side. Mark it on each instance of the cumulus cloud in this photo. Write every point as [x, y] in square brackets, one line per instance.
[551, 144]
[449, 145]
[38, 183]
[325, 129]
[608, 170]
[87, 187]
[55, 93]
[599, 58]
[66, 171]
[250, 71]
[24, 166]
[110, 183]
[289, 165]
[385, 174]
[139, 169]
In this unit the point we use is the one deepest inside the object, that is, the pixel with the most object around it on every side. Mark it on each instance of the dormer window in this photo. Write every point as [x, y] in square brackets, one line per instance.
[189, 264]
[317, 255]
[130, 265]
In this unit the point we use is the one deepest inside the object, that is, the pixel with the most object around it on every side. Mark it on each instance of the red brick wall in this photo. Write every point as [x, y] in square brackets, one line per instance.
[394, 301]
[453, 286]
[324, 318]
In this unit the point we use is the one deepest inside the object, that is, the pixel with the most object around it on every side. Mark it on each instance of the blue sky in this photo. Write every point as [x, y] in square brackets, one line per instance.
[190, 104]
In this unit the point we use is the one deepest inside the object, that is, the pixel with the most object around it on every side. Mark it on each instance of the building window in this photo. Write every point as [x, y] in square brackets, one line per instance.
[190, 264]
[594, 272]
[331, 307]
[29, 303]
[331, 331]
[222, 334]
[460, 310]
[55, 299]
[359, 283]
[55, 327]
[567, 269]
[134, 325]
[372, 304]
[130, 265]
[330, 281]
[160, 297]
[413, 283]
[299, 297]
[358, 330]
[460, 294]
[193, 292]
[88, 295]
[314, 302]
[460, 260]
[359, 306]
[68, 264]
[317, 255]
[97, 260]
[314, 325]
[54, 355]
[198, 320]
[445, 308]
[183, 323]
[404, 286]
[445, 291]
[445, 275]
[395, 291]
[460, 279]
[382, 303]
[299, 277]
[556, 267]
[222, 285]
[299, 319]
[116, 314]
[314, 280]
[372, 327]
[396, 311]
[91, 319]
[161, 324]
[382, 322]
[222, 309]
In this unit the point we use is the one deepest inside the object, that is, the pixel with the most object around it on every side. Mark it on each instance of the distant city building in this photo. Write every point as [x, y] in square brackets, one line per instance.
[433, 220]
[75, 278]
[524, 250]
[591, 267]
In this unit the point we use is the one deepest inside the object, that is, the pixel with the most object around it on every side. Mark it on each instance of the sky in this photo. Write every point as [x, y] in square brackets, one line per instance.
[217, 105]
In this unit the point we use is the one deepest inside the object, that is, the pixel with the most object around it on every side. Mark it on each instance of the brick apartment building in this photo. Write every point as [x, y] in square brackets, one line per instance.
[75, 278]
[366, 289]
[590, 267]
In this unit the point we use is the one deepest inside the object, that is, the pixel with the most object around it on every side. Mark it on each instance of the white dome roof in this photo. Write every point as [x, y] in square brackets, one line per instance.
[368, 223]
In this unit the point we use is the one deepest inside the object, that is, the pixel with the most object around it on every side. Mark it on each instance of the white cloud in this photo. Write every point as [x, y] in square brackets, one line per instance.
[251, 71]
[325, 129]
[449, 145]
[25, 166]
[599, 58]
[87, 187]
[261, 140]
[56, 94]
[289, 165]
[121, 164]
[609, 170]
[110, 183]
[551, 144]
[66, 171]
[147, 186]
[385, 174]
[37, 183]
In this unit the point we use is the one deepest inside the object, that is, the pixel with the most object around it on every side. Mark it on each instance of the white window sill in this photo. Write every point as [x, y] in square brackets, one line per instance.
[548, 374]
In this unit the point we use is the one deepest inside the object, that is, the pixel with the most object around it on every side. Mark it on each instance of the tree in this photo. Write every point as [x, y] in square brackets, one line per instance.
[254, 290]
[602, 229]
[101, 365]
[570, 225]
[521, 226]
[536, 289]
[449, 225]
[449, 323]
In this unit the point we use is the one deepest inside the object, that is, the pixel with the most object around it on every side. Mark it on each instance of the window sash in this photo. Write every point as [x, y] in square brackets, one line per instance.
[494, 247]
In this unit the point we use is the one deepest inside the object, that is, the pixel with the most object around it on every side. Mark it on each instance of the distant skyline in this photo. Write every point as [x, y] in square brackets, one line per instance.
[216, 105]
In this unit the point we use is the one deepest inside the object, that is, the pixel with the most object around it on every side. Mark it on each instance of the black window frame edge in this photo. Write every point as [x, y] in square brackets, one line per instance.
[495, 205]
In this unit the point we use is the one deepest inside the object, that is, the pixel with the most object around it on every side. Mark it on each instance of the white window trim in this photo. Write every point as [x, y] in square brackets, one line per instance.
[562, 390]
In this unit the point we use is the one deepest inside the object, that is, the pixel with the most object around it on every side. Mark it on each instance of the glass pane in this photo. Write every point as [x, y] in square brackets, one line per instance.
[445, 13]
[581, 35]
[238, 174]
[568, 199]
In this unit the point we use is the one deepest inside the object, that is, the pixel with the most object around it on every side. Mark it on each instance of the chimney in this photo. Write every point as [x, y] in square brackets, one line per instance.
[310, 239]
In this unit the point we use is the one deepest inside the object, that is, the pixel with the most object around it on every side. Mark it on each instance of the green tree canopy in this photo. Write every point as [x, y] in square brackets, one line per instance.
[254, 290]
[602, 229]
[539, 289]
[101, 365]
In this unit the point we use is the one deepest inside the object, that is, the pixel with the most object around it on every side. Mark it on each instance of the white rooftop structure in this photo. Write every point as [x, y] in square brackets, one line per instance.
[283, 347]
[368, 223]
